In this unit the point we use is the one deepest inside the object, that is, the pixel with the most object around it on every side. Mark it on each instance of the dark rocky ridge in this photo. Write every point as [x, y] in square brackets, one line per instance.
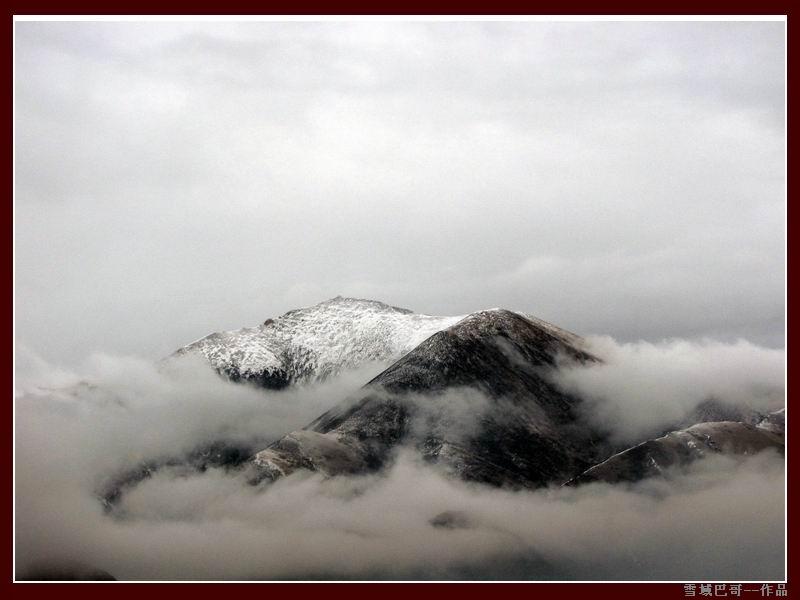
[525, 431]
[681, 448]
[220, 454]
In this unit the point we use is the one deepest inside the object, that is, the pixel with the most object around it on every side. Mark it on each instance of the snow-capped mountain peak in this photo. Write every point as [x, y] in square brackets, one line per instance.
[317, 341]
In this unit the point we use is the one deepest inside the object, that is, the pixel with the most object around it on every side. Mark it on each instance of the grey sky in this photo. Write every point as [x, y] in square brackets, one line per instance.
[617, 178]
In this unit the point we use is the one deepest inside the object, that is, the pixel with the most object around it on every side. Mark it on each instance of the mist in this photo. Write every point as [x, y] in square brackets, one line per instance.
[173, 179]
[719, 519]
[640, 388]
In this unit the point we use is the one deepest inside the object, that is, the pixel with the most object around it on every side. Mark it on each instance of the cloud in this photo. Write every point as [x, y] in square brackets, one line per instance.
[721, 519]
[720, 522]
[124, 411]
[454, 414]
[626, 178]
[622, 178]
[642, 387]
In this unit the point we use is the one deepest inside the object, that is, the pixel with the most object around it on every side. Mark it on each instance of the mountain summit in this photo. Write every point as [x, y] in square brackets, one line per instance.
[316, 342]
[473, 398]
[474, 395]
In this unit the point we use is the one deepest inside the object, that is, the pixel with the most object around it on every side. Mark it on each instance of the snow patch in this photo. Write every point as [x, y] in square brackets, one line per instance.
[315, 342]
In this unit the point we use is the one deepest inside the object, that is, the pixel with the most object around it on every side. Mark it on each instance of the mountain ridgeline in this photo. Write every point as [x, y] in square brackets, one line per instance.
[316, 342]
[473, 395]
[473, 398]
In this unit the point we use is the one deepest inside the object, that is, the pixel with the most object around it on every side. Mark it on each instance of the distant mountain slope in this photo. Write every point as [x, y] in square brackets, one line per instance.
[473, 398]
[714, 409]
[317, 341]
[774, 422]
[679, 448]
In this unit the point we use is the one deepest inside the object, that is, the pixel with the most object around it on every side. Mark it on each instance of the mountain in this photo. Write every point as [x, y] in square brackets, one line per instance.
[316, 342]
[473, 395]
[474, 398]
[713, 409]
[774, 422]
[303, 345]
[682, 447]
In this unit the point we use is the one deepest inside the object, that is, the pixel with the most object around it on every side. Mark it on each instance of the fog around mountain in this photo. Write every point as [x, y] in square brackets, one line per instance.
[182, 524]
[583, 222]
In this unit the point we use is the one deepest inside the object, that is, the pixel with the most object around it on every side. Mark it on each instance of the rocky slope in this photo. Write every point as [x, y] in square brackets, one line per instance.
[682, 447]
[473, 398]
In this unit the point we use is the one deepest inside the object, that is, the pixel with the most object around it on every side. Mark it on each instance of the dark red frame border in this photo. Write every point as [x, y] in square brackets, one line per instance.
[638, 591]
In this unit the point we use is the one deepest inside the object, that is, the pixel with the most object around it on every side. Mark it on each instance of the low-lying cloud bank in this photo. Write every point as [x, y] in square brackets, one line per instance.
[721, 519]
[120, 411]
[642, 387]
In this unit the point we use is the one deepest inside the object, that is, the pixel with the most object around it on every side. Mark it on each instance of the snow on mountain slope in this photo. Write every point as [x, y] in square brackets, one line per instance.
[317, 341]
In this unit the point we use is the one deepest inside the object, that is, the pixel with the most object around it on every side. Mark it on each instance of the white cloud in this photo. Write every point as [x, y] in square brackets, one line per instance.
[642, 387]
[176, 179]
[722, 519]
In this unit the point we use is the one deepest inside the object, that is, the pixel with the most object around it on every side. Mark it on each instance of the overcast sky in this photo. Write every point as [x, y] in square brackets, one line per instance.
[614, 178]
